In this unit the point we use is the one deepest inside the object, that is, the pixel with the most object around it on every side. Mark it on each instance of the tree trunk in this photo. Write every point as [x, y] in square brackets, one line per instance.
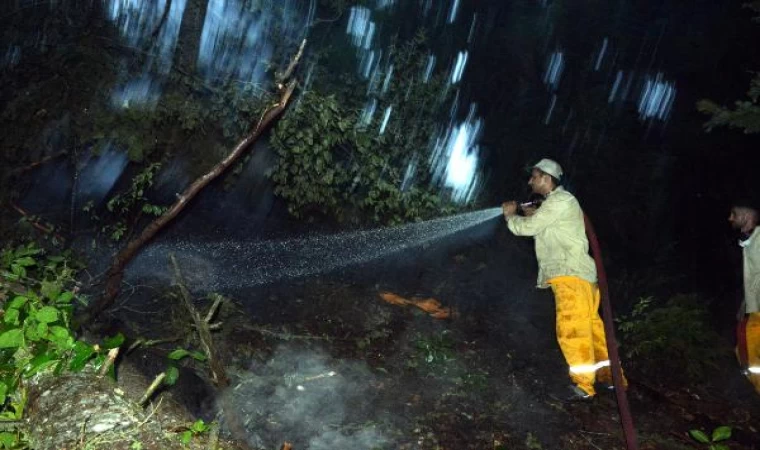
[189, 39]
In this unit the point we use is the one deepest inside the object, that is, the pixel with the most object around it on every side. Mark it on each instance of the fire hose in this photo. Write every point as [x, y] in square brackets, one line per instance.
[609, 329]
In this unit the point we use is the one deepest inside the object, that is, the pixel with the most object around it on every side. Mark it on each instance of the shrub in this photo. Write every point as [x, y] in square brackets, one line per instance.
[674, 338]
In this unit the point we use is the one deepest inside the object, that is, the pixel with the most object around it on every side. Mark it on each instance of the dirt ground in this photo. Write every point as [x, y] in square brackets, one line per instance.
[325, 363]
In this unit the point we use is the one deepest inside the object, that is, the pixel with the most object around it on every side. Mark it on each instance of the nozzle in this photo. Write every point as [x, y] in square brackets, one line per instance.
[531, 204]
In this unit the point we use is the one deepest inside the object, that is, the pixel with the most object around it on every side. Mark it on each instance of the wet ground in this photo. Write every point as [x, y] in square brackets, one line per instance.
[324, 363]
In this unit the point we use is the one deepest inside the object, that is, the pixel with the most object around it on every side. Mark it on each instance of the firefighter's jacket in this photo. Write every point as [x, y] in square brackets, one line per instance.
[560, 238]
[751, 256]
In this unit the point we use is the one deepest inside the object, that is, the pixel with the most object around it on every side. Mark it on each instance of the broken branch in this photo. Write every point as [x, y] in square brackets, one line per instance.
[152, 388]
[38, 163]
[112, 354]
[35, 223]
[292, 66]
[218, 373]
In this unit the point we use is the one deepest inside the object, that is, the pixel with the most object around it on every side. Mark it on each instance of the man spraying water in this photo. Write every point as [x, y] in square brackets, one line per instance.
[565, 265]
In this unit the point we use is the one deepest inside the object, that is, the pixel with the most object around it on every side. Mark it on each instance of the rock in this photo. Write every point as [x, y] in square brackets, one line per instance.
[83, 410]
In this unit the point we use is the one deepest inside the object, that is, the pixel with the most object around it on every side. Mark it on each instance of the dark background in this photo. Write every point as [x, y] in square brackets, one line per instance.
[658, 191]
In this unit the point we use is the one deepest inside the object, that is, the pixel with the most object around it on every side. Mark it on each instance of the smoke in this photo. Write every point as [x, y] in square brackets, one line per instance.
[305, 397]
[100, 172]
[368, 439]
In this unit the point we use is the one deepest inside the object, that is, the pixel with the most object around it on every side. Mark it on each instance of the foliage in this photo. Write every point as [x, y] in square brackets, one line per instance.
[334, 160]
[746, 114]
[676, 337]
[172, 372]
[196, 429]
[215, 117]
[199, 107]
[35, 332]
[128, 204]
[225, 112]
[719, 434]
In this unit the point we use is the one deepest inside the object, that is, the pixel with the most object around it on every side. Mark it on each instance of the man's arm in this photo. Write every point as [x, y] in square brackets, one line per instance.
[546, 215]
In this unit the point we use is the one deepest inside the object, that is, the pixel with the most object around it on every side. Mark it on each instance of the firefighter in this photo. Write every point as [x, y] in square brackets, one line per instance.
[564, 265]
[745, 218]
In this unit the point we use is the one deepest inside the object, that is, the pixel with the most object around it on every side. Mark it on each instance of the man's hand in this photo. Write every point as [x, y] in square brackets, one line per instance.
[509, 209]
[529, 210]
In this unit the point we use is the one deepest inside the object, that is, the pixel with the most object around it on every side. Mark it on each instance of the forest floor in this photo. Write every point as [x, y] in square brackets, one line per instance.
[325, 363]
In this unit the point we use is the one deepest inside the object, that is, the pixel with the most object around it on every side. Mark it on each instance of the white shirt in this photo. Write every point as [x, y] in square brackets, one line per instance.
[751, 263]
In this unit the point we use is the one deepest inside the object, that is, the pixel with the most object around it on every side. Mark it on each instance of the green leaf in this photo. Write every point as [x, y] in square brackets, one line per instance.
[11, 317]
[18, 271]
[186, 437]
[199, 426]
[719, 447]
[26, 261]
[59, 332]
[50, 289]
[198, 356]
[721, 433]
[40, 363]
[42, 329]
[699, 436]
[61, 337]
[178, 354]
[82, 353]
[18, 302]
[12, 338]
[30, 331]
[172, 373]
[8, 440]
[3, 392]
[65, 298]
[113, 342]
[48, 314]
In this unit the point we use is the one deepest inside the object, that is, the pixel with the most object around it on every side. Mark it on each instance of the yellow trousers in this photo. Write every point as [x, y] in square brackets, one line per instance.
[752, 335]
[580, 331]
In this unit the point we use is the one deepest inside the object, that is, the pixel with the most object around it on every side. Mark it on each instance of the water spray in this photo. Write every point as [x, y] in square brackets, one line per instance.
[235, 264]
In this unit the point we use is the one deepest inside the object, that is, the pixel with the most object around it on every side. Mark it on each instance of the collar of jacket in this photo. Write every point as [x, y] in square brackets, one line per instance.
[745, 242]
[556, 189]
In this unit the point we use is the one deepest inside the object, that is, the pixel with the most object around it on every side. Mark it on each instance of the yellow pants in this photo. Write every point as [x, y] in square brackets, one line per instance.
[580, 331]
[753, 349]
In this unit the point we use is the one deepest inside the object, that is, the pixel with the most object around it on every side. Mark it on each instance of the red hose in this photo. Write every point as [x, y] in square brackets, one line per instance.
[617, 373]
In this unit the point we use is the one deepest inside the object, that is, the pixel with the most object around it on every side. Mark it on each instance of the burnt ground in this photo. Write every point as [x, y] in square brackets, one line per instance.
[324, 363]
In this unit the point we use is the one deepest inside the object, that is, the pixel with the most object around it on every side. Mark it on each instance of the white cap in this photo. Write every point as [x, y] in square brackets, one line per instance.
[549, 166]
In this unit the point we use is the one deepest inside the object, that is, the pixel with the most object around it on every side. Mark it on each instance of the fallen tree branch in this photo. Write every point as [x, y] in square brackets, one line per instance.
[38, 163]
[35, 223]
[292, 66]
[120, 261]
[218, 374]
